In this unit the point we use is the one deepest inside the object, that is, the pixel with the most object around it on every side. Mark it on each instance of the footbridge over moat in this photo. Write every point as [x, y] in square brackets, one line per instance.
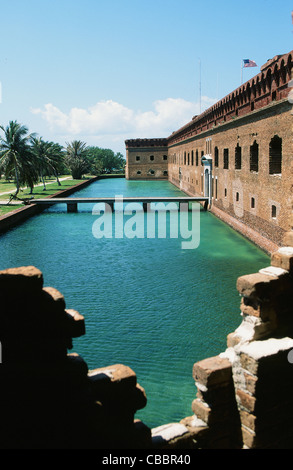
[72, 203]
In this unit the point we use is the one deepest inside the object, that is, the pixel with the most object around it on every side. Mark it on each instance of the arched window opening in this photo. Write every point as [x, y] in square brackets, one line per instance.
[277, 76]
[226, 159]
[283, 73]
[216, 157]
[275, 162]
[238, 157]
[258, 87]
[248, 91]
[263, 83]
[253, 90]
[274, 212]
[269, 80]
[254, 157]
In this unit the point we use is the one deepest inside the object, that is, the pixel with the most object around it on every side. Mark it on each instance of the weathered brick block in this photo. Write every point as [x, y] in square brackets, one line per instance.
[219, 396]
[117, 373]
[267, 356]
[250, 382]
[246, 400]
[202, 410]
[283, 258]
[248, 420]
[23, 279]
[260, 286]
[52, 301]
[261, 309]
[108, 383]
[260, 421]
[75, 323]
[249, 438]
[273, 436]
[213, 372]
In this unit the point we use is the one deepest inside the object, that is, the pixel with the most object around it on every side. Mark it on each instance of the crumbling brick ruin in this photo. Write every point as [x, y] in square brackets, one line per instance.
[49, 399]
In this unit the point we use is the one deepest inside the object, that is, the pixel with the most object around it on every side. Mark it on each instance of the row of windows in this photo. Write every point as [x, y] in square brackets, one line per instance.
[275, 157]
[273, 208]
[152, 158]
[188, 159]
[252, 204]
[152, 172]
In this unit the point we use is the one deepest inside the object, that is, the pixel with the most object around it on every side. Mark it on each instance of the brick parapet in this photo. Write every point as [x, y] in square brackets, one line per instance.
[270, 85]
[243, 395]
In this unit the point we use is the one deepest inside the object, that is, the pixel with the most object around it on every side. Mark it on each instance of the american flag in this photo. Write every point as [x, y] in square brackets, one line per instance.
[249, 63]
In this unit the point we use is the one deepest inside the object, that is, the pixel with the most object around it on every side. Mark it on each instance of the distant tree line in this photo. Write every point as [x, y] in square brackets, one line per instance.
[28, 159]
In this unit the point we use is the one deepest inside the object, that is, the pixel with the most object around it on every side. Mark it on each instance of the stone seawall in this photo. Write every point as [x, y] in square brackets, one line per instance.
[249, 233]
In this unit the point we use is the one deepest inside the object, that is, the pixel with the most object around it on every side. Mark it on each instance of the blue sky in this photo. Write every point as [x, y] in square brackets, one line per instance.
[103, 71]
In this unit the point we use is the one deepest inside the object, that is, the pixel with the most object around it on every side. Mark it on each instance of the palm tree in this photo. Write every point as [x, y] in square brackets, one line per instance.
[48, 158]
[15, 154]
[56, 159]
[76, 158]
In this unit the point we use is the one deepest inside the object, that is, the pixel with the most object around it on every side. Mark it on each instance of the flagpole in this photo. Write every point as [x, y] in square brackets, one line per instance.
[199, 86]
[241, 71]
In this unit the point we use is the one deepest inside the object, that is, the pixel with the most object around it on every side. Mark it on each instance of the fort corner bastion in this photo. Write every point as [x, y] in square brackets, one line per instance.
[239, 153]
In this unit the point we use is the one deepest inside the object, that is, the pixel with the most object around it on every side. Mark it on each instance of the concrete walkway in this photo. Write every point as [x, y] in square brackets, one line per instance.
[4, 202]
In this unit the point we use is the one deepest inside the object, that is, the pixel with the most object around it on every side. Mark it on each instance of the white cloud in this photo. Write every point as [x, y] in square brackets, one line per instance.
[112, 122]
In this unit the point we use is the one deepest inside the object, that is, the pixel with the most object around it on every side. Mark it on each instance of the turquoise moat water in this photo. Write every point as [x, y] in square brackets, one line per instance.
[147, 303]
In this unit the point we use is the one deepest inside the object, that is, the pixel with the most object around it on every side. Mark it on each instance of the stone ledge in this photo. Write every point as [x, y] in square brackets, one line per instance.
[213, 371]
[172, 436]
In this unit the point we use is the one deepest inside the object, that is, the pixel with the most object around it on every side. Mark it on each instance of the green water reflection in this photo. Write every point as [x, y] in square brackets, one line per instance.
[147, 303]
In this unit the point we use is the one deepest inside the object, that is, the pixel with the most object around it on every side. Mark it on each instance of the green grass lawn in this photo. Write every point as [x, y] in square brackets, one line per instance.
[6, 209]
[38, 192]
[8, 186]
